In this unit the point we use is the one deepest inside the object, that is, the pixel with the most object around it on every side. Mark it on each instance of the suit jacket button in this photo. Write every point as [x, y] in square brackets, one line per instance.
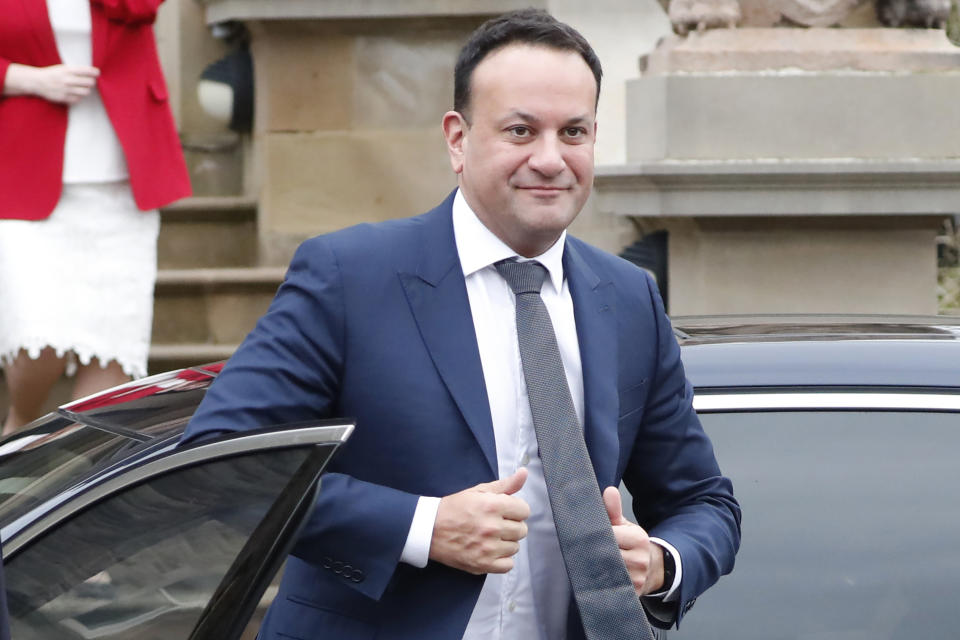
[338, 567]
[326, 562]
[357, 575]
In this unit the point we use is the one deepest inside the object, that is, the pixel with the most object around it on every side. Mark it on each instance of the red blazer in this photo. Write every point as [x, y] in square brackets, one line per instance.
[131, 83]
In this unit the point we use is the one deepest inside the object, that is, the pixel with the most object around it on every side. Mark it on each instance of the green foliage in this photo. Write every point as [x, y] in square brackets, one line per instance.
[948, 291]
[953, 23]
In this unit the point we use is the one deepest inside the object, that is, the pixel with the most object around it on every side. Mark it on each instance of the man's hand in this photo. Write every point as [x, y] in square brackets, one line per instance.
[62, 83]
[644, 559]
[479, 529]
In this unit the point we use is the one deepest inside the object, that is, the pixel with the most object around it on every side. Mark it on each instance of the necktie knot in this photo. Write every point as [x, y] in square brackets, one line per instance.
[523, 277]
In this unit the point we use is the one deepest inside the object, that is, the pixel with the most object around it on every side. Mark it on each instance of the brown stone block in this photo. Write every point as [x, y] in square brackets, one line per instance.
[304, 77]
[322, 182]
[180, 316]
[404, 80]
[812, 270]
[234, 314]
[186, 245]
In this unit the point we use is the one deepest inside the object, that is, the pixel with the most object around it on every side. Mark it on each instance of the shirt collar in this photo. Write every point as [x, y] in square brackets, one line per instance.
[478, 247]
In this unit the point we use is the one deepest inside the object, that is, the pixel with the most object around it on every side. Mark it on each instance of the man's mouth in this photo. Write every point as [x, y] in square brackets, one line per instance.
[544, 188]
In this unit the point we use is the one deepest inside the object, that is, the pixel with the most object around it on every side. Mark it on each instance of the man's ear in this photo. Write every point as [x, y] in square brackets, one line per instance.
[454, 132]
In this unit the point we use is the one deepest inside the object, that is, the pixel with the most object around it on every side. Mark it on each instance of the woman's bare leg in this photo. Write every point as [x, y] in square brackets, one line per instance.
[93, 377]
[29, 382]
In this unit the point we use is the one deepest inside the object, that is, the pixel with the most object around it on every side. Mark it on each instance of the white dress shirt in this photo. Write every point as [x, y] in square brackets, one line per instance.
[530, 601]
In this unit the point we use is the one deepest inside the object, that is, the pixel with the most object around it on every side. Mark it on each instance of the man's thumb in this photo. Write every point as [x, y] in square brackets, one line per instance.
[611, 500]
[510, 485]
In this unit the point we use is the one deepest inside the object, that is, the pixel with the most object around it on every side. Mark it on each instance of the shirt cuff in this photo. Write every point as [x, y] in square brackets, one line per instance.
[416, 551]
[669, 592]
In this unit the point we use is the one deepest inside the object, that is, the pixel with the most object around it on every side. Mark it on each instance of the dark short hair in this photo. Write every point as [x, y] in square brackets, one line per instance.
[525, 26]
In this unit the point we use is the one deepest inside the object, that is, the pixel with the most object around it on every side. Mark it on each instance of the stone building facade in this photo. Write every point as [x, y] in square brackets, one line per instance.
[795, 168]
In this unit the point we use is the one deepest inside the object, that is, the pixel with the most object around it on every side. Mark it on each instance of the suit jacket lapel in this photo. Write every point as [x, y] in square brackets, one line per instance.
[437, 295]
[595, 314]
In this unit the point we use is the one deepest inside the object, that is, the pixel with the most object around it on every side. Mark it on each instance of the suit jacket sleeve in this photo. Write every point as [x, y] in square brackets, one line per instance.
[678, 490]
[288, 370]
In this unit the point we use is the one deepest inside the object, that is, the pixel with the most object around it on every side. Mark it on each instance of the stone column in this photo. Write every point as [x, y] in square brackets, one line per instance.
[796, 169]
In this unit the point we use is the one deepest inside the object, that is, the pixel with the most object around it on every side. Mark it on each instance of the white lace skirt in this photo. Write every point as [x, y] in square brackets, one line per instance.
[82, 280]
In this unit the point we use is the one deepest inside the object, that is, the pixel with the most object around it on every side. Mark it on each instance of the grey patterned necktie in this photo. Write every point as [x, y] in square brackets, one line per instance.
[609, 606]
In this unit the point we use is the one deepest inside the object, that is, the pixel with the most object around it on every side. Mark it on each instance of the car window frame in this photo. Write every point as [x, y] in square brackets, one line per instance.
[162, 460]
[825, 398]
[232, 603]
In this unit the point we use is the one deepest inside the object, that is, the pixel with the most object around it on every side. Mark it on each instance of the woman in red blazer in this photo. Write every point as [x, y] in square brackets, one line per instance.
[134, 92]
[45, 200]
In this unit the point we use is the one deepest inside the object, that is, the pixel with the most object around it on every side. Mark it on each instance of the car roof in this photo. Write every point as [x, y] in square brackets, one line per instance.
[820, 350]
[151, 408]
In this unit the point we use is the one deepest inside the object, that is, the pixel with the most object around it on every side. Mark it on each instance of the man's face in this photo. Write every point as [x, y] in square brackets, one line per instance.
[525, 160]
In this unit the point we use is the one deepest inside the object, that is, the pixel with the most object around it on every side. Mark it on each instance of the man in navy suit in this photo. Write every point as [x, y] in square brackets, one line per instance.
[433, 521]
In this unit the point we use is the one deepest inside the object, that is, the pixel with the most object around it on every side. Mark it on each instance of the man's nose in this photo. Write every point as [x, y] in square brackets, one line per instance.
[547, 156]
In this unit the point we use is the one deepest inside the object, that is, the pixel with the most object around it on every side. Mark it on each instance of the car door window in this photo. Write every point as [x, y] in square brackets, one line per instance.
[144, 561]
[850, 527]
[53, 455]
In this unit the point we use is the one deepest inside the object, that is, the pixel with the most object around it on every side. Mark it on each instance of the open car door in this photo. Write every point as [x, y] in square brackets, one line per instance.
[181, 545]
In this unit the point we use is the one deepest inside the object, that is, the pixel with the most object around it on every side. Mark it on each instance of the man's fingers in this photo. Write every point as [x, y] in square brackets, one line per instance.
[479, 529]
[630, 536]
[514, 531]
[507, 486]
[514, 508]
[611, 500]
[501, 565]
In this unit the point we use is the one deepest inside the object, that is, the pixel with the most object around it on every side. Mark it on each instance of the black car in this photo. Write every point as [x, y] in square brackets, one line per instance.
[841, 436]
[111, 531]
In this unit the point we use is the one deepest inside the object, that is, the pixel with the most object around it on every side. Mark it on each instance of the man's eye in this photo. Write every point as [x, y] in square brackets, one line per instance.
[575, 132]
[520, 131]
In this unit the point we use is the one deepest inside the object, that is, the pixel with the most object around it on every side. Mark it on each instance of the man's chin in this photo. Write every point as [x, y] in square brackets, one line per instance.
[549, 221]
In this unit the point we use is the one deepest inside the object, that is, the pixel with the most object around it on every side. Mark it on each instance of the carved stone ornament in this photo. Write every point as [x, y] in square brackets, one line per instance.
[914, 13]
[690, 15]
[815, 13]
[698, 15]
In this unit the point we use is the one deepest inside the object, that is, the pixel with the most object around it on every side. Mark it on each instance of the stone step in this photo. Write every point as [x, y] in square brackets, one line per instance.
[212, 307]
[208, 232]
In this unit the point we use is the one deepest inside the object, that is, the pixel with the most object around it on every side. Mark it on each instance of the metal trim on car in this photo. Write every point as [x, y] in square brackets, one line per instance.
[79, 498]
[777, 401]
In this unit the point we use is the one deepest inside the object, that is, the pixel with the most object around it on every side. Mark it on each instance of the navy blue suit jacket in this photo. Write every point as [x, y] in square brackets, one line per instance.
[374, 322]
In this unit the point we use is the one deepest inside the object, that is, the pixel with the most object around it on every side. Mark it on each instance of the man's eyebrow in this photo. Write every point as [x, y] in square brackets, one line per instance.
[532, 119]
[516, 114]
